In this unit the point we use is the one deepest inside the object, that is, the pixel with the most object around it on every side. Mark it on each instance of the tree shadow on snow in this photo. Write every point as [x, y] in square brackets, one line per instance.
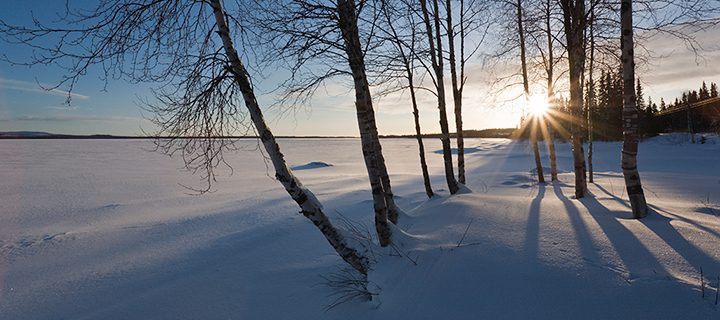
[638, 260]
[532, 229]
[662, 227]
[585, 241]
[685, 219]
[468, 150]
[612, 196]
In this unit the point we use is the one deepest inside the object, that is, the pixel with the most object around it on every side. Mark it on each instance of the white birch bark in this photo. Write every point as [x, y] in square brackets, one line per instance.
[456, 90]
[630, 116]
[407, 60]
[393, 212]
[310, 206]
[437, 63]
[591, 98]
[421, 146]
[366, 119]
[551, 93]
[575, 23]
[526, 91]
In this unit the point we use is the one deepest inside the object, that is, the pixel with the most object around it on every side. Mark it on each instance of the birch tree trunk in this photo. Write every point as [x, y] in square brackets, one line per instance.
[690, 126]
[551, 151]
[310, 206]
[551, 93]
[418, 136]
[534, 124]
[365, 114]
[407, 60]
[591, 98]
[392, 209]
[457, 93]
[437, 63]
[630, 116]
[575, 23]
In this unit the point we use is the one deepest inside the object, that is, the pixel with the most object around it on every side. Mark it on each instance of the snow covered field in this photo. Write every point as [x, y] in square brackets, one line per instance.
[102, 229]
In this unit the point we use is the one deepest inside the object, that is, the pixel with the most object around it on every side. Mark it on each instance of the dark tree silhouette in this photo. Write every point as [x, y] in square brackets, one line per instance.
[187, 49]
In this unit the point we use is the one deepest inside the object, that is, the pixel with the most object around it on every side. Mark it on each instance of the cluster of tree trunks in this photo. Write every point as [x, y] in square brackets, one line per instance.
[343, 18]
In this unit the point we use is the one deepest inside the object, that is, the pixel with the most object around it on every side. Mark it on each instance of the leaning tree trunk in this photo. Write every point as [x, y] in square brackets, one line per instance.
[365, 114]
[526, 90]
[437, 63]
[393, 212]
[457, 94]
[575, 22]
[630, 116]
[310, 206]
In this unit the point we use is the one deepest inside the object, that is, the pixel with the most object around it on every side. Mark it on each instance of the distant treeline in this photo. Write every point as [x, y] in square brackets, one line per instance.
[604, 103]
[46, 135]
[485, 133]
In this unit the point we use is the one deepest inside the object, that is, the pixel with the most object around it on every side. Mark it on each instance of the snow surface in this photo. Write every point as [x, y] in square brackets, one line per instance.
[311, 165]
[103, 229]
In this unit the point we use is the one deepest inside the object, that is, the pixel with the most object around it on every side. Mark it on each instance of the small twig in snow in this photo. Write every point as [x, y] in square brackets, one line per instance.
[709, 205]
[346, 284]
[465, 233]
[401, 254]
[702, 283]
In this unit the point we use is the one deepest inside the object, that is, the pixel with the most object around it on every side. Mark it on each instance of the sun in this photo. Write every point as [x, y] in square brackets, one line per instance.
[538, 105]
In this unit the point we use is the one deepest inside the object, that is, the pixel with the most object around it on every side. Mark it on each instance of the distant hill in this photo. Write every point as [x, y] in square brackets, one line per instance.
[47, 135]
[25, 134]
[485, 133]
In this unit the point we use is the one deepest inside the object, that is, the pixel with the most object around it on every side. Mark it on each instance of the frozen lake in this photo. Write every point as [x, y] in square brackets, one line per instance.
[105, 229]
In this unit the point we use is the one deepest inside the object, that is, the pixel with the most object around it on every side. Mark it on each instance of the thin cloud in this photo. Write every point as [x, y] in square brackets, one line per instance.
[68, 118]
[26, 86]
[64, 108]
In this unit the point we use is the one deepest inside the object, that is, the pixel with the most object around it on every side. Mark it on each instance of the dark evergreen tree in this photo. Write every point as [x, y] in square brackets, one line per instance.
[704, 92]
[639, 96]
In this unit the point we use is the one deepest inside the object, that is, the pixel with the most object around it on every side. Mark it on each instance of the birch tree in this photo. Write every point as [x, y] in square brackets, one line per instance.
[322, 40]
[347, 21]
[436, 57]
[405, 49]
[575, 22]
[590, 103]
[187, 49]
[549, 62]
[457, 86]
[630, 116]
[526, 92]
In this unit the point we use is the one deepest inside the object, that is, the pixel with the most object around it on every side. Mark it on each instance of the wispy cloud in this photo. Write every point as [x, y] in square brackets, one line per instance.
[64, 108]
[26, 86]
[68, 118]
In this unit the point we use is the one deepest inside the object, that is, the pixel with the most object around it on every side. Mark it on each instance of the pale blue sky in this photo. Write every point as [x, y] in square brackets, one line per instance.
[25, 106]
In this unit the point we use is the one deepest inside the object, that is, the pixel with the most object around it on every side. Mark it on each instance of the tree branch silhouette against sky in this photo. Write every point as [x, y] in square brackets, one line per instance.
[98, 107]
